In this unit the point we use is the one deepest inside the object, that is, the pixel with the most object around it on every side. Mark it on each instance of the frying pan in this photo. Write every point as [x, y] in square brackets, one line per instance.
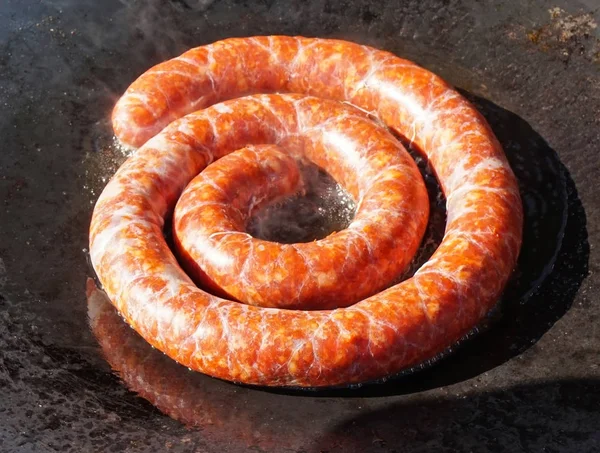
[529, 381]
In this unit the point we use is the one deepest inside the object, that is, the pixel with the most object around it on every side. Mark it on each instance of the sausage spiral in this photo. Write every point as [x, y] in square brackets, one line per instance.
[379, 335]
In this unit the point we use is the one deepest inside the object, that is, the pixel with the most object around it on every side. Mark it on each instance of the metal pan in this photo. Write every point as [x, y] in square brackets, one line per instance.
[529, 381]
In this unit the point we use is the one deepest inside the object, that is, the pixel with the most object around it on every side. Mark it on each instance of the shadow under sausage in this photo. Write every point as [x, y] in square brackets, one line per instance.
[523, 418]
[553, 261]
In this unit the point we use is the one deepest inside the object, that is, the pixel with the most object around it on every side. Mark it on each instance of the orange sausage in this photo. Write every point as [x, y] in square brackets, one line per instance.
[386, 333]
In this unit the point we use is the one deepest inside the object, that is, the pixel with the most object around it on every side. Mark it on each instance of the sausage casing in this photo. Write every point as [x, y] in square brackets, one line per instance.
[395, 329]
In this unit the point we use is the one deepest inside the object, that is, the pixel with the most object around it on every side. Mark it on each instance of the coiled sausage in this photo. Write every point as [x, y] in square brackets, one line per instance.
[383, 334]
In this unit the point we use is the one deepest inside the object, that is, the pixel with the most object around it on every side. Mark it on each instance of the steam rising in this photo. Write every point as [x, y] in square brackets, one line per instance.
[325, 208]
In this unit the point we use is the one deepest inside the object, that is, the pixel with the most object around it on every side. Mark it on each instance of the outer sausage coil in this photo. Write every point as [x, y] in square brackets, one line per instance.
[383, 334]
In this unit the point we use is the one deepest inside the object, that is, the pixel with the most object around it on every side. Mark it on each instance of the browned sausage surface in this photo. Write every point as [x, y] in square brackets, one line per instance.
[383, 334]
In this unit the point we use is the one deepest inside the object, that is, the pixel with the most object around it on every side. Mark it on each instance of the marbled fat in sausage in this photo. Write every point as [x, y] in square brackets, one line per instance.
[383, 334]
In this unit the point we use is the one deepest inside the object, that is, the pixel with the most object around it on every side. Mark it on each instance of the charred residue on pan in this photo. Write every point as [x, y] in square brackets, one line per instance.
[568, 35]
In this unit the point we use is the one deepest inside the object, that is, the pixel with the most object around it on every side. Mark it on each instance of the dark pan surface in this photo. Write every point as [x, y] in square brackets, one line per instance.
[529, 381]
